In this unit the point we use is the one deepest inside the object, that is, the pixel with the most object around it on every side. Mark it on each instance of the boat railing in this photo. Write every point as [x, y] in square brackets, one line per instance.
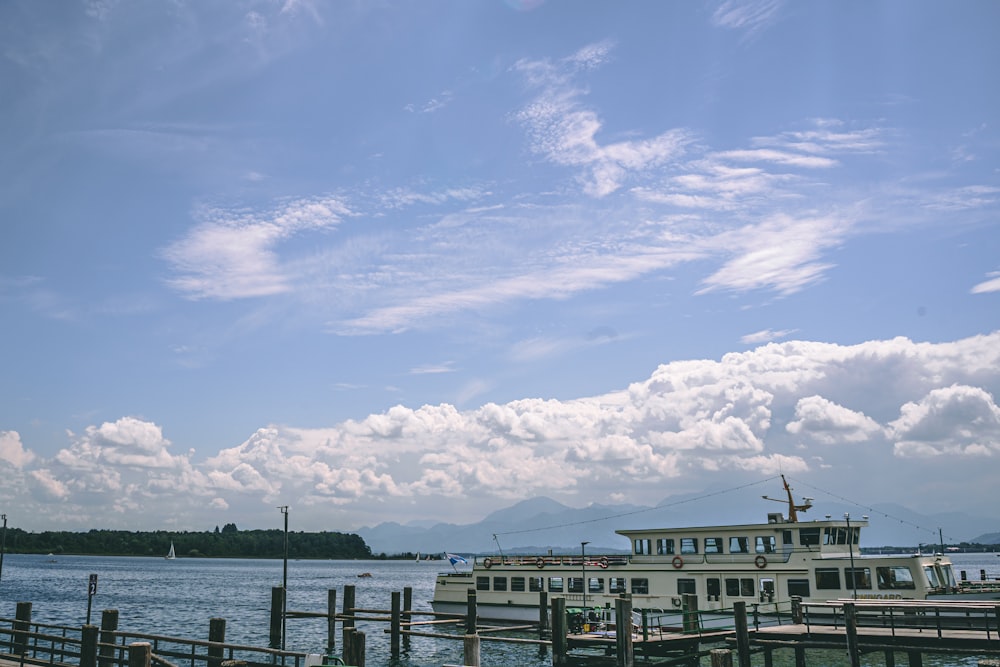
[596, 561]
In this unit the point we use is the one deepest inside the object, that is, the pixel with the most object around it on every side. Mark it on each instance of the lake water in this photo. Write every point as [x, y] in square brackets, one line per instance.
[177, 598]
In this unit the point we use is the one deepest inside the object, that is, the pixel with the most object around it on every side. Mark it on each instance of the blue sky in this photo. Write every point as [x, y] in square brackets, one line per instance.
[420, 260]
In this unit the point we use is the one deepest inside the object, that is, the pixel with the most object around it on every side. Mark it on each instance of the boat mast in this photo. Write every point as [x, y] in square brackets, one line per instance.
[793, 509]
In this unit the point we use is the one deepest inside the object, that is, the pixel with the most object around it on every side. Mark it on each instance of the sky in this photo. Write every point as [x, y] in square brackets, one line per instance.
[411, 261]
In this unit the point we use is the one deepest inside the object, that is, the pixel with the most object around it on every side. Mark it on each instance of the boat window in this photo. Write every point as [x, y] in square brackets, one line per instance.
[739, 545]
[575, 584]
[858, 577]
[616, 585]
[894, 577]
[949, 576]
[713, 545]
[640, 585]
[517, 584]
[809, 536]
[482, 583]
[665, 546]
[689, 545]
[827, 578]
[932, 578]
[786, 537]
[595, 585]
[765, 544]
[556, 584]
[536, 584]
[687, 586]
[798, 587]
[643, 547]
[732, 587]
[499, 583]
[746, 587]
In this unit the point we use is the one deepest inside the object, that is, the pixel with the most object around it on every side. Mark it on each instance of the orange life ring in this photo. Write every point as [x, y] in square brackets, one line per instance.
[603, 562]
[677, 562]
[540, 563]
[760, 562]
[487, 563]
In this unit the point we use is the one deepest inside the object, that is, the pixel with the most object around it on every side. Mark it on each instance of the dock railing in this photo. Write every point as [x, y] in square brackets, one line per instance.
[909, 615]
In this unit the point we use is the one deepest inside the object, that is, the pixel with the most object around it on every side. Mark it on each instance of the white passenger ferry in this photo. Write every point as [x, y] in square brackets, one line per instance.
[764, 564]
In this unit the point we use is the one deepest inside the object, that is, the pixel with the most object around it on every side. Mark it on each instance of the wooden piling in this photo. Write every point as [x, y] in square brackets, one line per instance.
[216, 633]
[140, 654]
[470, 651]
[331, 620]
[797, 615]
[543, 614]
[915, 658]
[559, 631]
[407, 617]
[721, 657]
[88, 646]
[742, 633]
[22, 624]
[394, 626]
[354, 647]
[851, 629]
[277, 615]
[109, 623]
[623, 631]
[692, 621]
[471, 619]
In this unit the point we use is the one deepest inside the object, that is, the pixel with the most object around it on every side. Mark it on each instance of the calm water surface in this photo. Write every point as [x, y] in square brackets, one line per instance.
[177, 598]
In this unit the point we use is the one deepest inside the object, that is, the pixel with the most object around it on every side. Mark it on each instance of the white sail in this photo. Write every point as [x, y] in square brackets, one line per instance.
[170, 554]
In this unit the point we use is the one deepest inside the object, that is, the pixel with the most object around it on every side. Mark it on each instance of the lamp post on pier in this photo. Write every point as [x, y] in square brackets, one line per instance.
[850, 547]
[583, 570]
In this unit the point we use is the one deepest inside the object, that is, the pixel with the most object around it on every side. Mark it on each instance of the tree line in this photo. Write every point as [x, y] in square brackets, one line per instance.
[226, 543]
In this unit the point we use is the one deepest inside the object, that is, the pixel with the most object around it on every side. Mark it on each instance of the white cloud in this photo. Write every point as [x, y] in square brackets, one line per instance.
[958, 420]
[828, 423]
[991, 285]
[749, 16]
[12, 450]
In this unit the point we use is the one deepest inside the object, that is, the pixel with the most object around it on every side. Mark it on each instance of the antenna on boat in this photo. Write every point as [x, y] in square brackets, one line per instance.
[793, 509]
[498, 547]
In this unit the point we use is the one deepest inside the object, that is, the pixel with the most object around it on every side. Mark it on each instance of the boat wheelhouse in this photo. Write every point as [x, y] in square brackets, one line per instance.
[764, 564]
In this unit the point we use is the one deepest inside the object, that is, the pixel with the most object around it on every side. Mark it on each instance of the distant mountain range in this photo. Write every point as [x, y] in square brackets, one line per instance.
[540, 524]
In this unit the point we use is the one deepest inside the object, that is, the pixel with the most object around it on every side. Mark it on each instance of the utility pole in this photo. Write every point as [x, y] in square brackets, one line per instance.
[583, 570]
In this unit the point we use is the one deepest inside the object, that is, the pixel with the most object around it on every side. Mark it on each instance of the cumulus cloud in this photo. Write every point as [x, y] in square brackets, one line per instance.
[12, 451]
[801, 407]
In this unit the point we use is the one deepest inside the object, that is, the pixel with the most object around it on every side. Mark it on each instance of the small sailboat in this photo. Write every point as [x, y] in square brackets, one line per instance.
[170, 554]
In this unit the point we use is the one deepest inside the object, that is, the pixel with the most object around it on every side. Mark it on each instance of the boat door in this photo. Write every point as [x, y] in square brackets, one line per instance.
[713, 587]
[766, 588]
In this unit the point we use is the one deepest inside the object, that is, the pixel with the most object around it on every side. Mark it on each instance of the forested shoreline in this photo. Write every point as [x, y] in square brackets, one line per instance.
[229, 542]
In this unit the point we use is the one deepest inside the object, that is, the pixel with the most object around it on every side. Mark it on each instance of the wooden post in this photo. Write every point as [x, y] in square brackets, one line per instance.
[331, 620]
[915, 658]
[109, 623]
[623, 631]
[768, 657]
[890, 658]
[470, 651]
[347, 627]
[88, 646]
[471, 619]
[543, 615]
[742, 632]
[277, 612]
[851, 627]
[140, 654]
[394, 627]
[354, 647]
[692, 621]
[721, 657]
[559, 640]
[800, 657]
[407, 617]
[797, 609]
[22, 624]
[216, 634]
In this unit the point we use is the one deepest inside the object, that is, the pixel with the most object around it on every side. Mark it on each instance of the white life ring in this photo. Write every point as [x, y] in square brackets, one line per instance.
[676, 601]
[603, 562]
[487, 563]
[677, 562]
[540, 563]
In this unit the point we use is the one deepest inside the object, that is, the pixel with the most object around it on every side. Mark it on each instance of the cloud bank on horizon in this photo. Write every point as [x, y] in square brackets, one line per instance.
[398, 262]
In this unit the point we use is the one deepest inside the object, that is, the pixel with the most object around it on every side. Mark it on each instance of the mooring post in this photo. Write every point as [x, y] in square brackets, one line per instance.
[543, 616]
[22, 623]
[721, 657]
[851, 628]
[915, 658]
[623, 631]
[692, 622]
[470, 652]
[88, 646]
[742, 633]
[331, 620]
[797, 609]
[109, 623]
[347, 627]
[470, 612]
[890, 658]
[216, 634]
[140, 654]
[354, 647]
[277, 612]
[394, 627]
[407, 616]
[559, 640]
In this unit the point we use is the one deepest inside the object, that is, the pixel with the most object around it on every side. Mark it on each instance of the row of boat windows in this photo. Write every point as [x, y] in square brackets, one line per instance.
[828, 578]
[762, 544]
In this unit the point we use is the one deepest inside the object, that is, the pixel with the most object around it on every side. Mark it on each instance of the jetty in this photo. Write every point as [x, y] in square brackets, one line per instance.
[898, 629]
